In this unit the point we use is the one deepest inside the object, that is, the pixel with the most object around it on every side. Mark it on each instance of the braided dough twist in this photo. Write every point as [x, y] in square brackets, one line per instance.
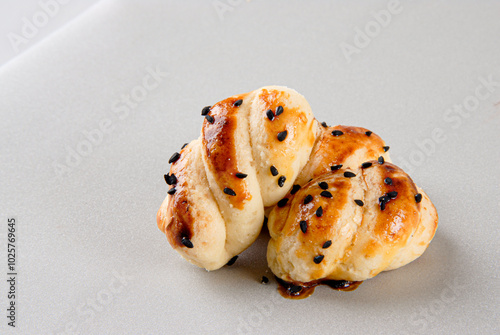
[372, 219]
[224, 178]
[251, 150]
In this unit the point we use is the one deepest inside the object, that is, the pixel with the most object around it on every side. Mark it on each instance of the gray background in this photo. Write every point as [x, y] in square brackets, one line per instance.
[91, 259]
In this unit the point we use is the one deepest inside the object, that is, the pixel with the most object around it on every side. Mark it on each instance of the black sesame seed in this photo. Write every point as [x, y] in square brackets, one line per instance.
[174, 158]
[270, 114]
[210, 118]
[294, 289]
[388, 181]
[366, 165]
[241, 175]
[368, 133]
[238, 103]
[171, 179]
[295, 189]
[381, 160]
[359, 202]
[340, 284]
[265, 221]
[323, 185]
[279, 110]
[318, 259]
[349, 174]
[336, 167]
[282, 202]
[264, 280]
[324, 124]
[205, 110]
[232, 260]
[418, 197]
[274, 171]
[229, 191]
[386, 148]
[319, 212]
[282, 136]
[308, 199]
[337, 132]
[392, 194]
[281, 181]
[171, 191]
[303, 226]
[184, 145]
[187, 243]
[326, 194]
[384, 198]
[327, 244]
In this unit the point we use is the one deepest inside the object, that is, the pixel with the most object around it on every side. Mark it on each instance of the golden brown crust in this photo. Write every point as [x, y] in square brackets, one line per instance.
[181, 221]
[220, 146]
[190, 215]
[215, 214]
[401, 215]
[287, 155]
[179, 226]
[350, 150]
[370, 223]
[293, 121]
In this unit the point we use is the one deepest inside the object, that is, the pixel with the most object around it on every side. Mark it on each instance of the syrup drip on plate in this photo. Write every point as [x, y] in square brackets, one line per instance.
[303, 290]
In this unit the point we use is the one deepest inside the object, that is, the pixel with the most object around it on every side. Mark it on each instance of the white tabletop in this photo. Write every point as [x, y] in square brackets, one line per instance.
[23, 24]
[82, 172]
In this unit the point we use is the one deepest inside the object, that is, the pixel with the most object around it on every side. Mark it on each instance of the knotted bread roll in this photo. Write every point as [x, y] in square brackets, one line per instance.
[342, 147]
[349, 225]
[251, 150]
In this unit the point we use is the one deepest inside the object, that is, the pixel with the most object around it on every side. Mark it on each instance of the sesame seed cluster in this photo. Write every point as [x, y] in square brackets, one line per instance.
[347, 212]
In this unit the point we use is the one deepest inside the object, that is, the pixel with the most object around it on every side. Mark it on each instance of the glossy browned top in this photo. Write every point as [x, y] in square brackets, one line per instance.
[181, 221]
[294, 120]
[379, 234]
[401, 215]
[286, 220]
[333, 150]
[318, 227]
[219, 144]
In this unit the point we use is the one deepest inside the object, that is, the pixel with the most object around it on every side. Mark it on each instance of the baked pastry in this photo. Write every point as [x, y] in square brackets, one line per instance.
[342, 147]
[251, 149]
[349, 225]
[264, 148]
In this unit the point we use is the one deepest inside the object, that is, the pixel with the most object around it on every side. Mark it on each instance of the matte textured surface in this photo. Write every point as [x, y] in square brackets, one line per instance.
[90, 255]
